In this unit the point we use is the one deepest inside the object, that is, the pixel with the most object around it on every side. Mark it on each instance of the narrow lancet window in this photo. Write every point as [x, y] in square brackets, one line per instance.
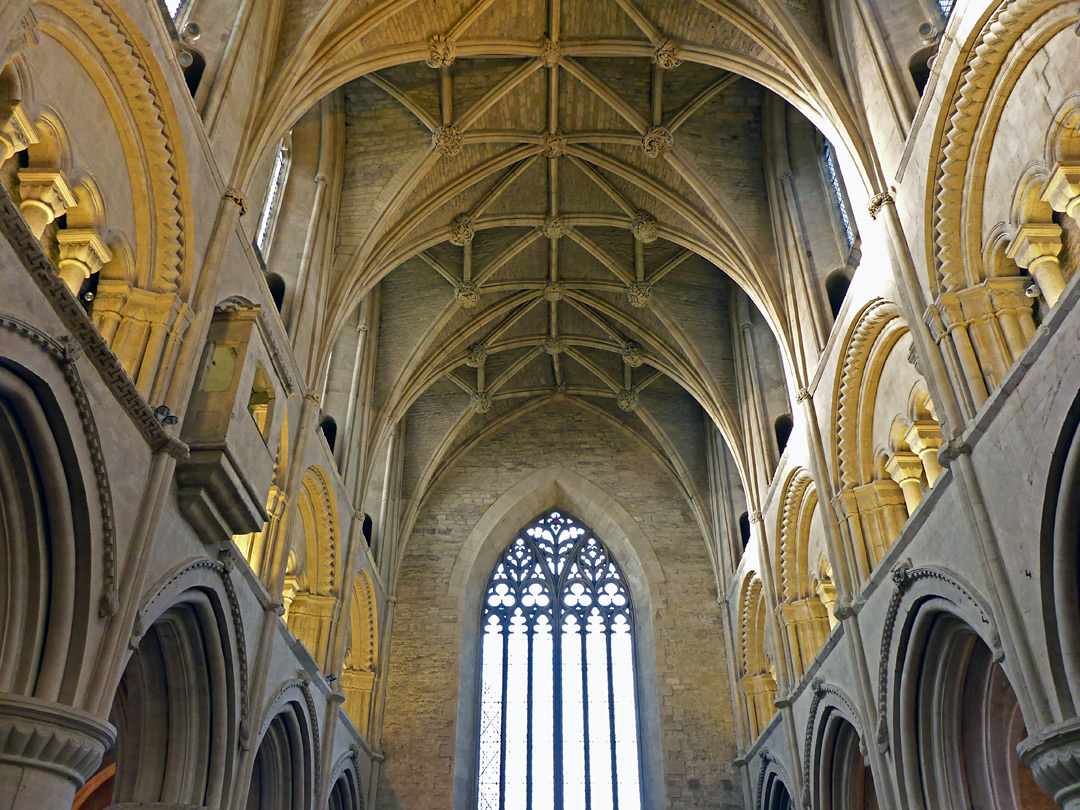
[946, 7]
[838, 193]
[268, 217]
[558, 706]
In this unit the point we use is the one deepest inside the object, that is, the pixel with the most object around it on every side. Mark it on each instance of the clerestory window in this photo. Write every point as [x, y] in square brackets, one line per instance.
[174, 7]
[558, 708]
[264, 233]
[946, 7]
[833, 175]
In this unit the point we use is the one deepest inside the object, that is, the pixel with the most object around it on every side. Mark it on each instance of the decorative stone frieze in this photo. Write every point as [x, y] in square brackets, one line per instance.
[1035, 248]
[657, 141]
[17, 131]
[48, 750]
[462, 230]
[633, 355]
[467, 294]
[82, 253]
[645, 227]
[447, 140]
[441, 51]
[666, 55]
[639, 294]
[46, 195]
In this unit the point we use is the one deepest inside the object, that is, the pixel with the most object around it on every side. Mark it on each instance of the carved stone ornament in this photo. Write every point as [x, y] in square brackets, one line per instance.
[475, 355]
[441, 51]
[550, 53]
[446, 140]
[467, 294]
[480, 402]
[555, 227]
[755, 516]
[627, 400]
[640, 294]
[554, 291]
[645, 227]
[553, 144]
[666, 55]
[1053, 755]
[802, 395]
[59, 740]
[878, 202]
[237, 198]
[633, 355]
[657, 142]
[554, 346]
[901, 573]
[462, 230]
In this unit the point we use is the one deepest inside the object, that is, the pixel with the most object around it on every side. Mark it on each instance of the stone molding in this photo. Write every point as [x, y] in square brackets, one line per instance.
[62, 740]
[14, 228]
[1053, 754]
[66, 352]
[822, 692]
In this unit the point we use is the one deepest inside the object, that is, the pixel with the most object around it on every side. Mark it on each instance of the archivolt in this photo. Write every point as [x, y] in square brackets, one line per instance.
[318, 511]
[797, 506]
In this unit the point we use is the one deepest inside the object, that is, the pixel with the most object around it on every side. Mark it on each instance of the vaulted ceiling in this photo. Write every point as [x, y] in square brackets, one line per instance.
[557, 200]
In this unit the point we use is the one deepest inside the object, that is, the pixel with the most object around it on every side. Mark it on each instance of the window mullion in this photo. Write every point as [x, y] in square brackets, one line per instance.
[530, 632]
[502, 732]
[556, 704]
[611, 719]
[585, 716]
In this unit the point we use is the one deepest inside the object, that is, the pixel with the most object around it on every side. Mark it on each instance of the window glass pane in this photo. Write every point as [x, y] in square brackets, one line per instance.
[174, 6]
[558, 725]
[946, 6]
[273, 195]
[838, 194]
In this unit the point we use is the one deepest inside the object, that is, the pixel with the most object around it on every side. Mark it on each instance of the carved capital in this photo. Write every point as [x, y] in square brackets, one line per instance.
[237, 198]
[1035, 248]
[879, 201]
[802, 395]
[17, 131]
[1062, 190]
[755, 516]
[46, 195]
[60, 740]
[1053, 755]
[82, 253]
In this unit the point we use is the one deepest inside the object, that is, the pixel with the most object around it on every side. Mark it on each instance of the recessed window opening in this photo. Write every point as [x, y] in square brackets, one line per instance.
[833, 175]
[744, 529]
[328, 426]
[558, 708]
[270, 210]
[836, 288]
[193, 72]
[277, 289]
[782, 427]
[261, 401]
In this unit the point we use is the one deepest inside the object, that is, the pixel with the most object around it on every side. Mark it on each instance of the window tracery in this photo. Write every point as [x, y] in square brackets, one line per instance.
[558, 709]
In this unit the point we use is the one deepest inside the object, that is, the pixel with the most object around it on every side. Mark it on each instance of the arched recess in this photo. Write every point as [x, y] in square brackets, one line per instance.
[55, 574]
[885, 435]
[757, 663]
[1059, 564]
[311, 610]
[954, 719]
[838, 773]
[178, 705]
[284, 775]
[358, 678]
[804, 615]
[345, 793]
[773, 793]
[557, 488]
[140, 309]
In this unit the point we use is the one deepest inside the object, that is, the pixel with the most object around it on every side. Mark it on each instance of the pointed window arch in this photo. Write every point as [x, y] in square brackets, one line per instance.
[558, 707]
[279, 174]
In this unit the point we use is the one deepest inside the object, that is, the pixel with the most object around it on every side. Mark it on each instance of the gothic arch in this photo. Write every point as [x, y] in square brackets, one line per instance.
[557, 488]
[757, 663]
[836, 772]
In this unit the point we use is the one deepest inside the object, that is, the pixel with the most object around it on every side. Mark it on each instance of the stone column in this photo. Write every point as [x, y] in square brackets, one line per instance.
[906, 470]
[46, 195]
[310, 616]
[1053, 755]
[1062, 190]
[47, 752]
[1035, 248]
[359, 688]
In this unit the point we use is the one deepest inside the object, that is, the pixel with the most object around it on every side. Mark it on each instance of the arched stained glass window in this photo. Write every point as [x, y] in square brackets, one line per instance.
[558, 708]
